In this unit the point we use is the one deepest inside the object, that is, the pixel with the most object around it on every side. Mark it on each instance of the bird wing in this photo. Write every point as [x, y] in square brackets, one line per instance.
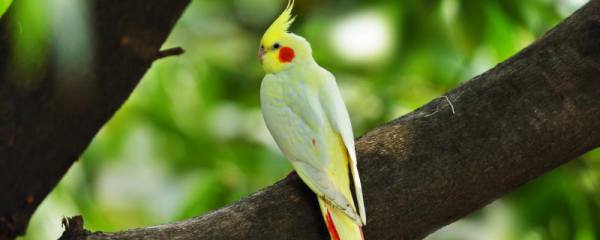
[336, 112]
[295, 117]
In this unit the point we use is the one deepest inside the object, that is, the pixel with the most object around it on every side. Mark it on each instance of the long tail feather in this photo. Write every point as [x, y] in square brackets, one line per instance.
[339, 225]
[331, 227]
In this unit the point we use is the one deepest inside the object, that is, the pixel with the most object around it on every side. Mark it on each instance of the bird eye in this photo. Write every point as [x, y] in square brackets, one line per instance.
[276, 46]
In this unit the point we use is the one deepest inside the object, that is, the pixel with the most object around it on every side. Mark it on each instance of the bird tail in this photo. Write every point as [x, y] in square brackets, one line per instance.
[339, 225]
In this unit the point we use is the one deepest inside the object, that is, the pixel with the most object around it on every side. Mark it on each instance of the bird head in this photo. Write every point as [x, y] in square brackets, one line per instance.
[280, 49]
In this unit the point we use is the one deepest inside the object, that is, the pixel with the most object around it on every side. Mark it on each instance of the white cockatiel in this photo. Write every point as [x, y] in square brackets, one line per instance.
[305, 113]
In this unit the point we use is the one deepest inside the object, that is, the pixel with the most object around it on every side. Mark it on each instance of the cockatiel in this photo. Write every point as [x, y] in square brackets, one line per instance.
[305, 113]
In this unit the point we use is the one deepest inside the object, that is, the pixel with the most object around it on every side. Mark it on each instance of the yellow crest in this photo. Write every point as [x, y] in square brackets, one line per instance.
[281, 24]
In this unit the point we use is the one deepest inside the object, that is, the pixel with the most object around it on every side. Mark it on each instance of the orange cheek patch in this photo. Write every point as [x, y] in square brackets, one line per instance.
[286, 55]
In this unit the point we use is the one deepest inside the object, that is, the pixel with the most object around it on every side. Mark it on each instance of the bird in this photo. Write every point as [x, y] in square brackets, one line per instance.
[304, 111]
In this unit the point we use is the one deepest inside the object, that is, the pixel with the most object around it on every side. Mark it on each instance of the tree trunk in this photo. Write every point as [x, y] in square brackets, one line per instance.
[49, 114]
[528, 115]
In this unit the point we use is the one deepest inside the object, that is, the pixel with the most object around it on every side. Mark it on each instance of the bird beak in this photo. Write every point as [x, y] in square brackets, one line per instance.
[261, 53]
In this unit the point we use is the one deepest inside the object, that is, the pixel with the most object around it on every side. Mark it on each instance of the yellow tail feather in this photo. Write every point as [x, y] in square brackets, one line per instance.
[339, 225]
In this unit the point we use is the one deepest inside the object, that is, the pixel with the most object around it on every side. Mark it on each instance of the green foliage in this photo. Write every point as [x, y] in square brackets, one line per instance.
[34, 19]
[4, 4]
[191, 137]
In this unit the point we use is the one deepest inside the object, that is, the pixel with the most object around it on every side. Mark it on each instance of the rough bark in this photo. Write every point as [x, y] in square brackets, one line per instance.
[43, 127]
[528, 115]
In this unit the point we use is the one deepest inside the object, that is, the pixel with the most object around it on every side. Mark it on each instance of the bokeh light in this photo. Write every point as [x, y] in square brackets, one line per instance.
[362, 37]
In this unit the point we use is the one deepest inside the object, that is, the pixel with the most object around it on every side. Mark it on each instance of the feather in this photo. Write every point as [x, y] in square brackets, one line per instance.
[335, 110]
[339, 225]
[282, 24]
[331, 227]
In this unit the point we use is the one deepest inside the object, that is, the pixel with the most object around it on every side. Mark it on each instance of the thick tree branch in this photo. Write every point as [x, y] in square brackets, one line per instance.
[48, 116]
[528, 115]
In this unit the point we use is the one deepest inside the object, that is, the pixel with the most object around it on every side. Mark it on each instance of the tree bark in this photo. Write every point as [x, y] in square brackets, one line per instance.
[526, 116]
[44, 127]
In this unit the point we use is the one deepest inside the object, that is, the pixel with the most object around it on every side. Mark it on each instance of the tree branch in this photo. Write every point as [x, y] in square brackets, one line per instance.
[170, 52]
[47, 118]
[528, 115]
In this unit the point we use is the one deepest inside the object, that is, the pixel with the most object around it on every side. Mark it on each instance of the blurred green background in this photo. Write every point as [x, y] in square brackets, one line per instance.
[191, 137]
